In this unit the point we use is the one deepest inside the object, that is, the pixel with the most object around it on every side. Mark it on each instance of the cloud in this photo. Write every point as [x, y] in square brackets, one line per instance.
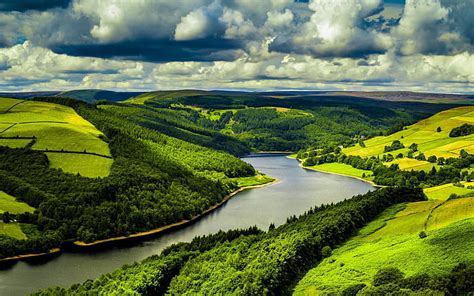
[323, 44]
[336, 28]
[435, 27]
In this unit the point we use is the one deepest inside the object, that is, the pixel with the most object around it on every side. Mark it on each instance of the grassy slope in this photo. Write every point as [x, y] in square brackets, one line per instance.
[424, 134]
[9, 204]
[392, 240]
[442, 192]
[56, 127]
[341, 168]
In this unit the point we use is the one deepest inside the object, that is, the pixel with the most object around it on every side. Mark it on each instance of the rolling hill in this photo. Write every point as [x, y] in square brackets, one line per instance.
[70, 142]
[431, 136]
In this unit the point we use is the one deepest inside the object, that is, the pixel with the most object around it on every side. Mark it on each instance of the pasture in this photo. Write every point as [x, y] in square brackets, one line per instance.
[392, 240]
[56, 128]
[341, 168]
[9, 204]
[442, 192]
[425, 134]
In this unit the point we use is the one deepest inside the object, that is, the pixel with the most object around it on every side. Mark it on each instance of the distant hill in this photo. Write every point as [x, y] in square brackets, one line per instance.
[94, 95]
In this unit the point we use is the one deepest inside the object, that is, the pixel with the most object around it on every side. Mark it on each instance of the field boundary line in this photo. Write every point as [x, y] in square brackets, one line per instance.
[13, 106]
[8, 128]
[74, 152]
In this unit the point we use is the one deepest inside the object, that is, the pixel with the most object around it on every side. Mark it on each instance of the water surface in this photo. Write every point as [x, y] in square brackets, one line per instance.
[296, 191]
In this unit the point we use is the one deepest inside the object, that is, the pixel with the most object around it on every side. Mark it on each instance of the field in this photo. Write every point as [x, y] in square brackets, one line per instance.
[442, 192]
[55, 128]
[12, 229]
[413, 164]
[9, 204]
[424, 133]
[392, 240]
[258, 179]
[341, 168]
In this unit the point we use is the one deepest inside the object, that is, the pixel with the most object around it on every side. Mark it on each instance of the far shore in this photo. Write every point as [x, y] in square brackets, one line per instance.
[79, 245]
[339, 174]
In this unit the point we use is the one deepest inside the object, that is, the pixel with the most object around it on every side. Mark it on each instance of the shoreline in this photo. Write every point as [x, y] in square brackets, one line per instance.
[339, 174]
[82, 246]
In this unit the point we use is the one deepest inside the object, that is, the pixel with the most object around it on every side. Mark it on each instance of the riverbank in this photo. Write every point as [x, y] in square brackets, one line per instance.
[163, 229]
[79, 245]
[25, 257]
[337, 173]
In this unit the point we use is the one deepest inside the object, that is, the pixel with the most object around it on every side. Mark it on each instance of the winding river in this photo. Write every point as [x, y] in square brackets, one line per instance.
[296, 191]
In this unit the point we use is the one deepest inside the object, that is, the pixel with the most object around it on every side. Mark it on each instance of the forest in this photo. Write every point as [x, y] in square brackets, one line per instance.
[265, 123]
[247, 262]
[155, 180]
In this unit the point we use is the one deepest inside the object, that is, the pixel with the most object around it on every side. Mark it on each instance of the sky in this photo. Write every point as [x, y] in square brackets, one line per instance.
[417, 45]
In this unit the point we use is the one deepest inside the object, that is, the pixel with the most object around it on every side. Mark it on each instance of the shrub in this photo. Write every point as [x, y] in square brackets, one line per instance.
[387, 275]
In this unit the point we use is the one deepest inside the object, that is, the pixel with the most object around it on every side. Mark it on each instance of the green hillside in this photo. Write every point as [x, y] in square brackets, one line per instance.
[155, 179]
[71, 143]
[287, 122]
[393, 240]
[425, 133]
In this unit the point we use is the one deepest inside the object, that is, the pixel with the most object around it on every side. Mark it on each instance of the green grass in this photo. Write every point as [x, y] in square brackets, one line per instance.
[57, 127]
[9, 204]
[12, 229]
[86, 165]
[392, 240]
[6, 103]
[442, 192]
[14, 143]
[409, 164]
[341, 168]
[258, 179]
[424, 133]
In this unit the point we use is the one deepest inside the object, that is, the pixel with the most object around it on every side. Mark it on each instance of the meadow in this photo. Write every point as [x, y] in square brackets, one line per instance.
[9, 204]
[425, 134]
[55, 128]
[393, 240]
[343, 169]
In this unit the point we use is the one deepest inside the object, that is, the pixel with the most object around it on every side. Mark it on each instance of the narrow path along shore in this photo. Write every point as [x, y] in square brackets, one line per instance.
[79, 245]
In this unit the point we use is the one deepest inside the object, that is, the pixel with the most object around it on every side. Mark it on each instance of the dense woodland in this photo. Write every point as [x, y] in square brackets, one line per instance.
[155, 180]
[248, 262]
[320, 122]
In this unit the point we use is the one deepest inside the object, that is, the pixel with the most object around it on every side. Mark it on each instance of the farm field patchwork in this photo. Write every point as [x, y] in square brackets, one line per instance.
[55, 128]
[425, 134]
[409, 164]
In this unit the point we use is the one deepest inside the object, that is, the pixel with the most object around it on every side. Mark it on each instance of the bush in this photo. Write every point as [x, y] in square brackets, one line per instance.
[387, 275]
[353, 290]
[326, 251]
[422, 234]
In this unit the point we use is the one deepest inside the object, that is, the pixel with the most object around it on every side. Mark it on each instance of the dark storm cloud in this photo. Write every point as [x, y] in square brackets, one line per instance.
[208, 49]
[24, 5]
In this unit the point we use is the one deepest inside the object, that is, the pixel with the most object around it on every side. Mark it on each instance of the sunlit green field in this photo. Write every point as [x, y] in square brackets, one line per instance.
[393, 240]
[12, 229]
[9, 204]
[442, 192]
[258, 179]
[86, 165]
[413, 164]
[55, 127]
[425, 134]
[341, 168]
